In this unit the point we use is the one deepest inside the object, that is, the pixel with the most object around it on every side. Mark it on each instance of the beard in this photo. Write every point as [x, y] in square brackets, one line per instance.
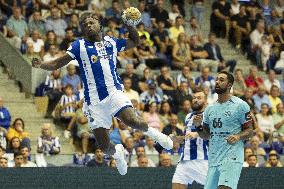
[220, 90]
[197, 107]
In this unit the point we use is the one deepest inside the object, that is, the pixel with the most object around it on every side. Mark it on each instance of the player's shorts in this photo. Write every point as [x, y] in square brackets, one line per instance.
[189, 171]
[101, 114]
[227, 174]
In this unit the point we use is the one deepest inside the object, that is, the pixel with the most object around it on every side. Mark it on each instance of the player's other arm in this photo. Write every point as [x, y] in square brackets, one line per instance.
[52, 65]
[133, 39]
[201, 128]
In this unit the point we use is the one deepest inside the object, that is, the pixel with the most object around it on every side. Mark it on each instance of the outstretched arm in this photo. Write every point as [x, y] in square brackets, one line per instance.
[133, 40]
[52, 65]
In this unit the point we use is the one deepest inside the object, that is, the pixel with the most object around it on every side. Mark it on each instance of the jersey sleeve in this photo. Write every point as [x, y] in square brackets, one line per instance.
[120, 44]
[205, 121]
[245, 116]
[74, 50]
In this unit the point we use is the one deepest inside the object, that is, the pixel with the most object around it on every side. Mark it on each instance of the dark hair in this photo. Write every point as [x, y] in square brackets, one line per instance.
[161, 108]
[68, 86]
[18, 119]
[274, 86]
[211, 34]
[178, 17]
[17, 154]
[68, 29]
[269, 109]
[252, 155]
[230, 76]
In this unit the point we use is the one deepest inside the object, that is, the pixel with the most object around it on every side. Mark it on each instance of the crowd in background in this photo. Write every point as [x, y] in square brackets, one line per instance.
[168, 41]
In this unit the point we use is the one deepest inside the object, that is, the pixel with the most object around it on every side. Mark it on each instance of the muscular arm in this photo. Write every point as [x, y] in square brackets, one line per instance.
[57, 63]
[246, 133]
[203, 132]
[133, 40]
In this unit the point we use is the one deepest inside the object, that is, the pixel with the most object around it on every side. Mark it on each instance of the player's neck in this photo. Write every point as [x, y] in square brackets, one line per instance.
[224, 97]
[96, 38]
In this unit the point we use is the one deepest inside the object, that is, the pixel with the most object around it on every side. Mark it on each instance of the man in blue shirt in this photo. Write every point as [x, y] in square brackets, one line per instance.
[226, 123]
[71, 78]
[5, 118]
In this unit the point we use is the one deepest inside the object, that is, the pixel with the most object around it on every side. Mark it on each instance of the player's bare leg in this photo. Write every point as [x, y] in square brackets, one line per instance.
[179, 186]
[129, 117]
[117, 151]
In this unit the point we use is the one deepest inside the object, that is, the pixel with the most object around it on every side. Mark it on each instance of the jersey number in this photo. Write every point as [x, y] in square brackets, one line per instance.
[217, 123]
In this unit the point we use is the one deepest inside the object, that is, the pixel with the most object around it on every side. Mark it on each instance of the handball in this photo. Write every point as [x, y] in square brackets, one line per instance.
[131, 16]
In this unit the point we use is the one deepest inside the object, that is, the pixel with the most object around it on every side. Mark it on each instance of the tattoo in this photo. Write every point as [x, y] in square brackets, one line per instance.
[204, 132]
[247, 132]
[133, 40]
[57, 63]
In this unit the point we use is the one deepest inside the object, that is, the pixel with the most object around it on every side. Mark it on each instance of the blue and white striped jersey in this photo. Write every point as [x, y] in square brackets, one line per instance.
[65, 100]
[193, 148]
[97, 62]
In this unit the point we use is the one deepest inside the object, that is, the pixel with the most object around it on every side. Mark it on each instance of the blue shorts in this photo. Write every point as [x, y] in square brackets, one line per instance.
[227, 174]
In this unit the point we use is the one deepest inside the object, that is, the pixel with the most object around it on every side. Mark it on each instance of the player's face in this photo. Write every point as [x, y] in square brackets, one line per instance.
[198, 101]
[222, 84]
[91, 26]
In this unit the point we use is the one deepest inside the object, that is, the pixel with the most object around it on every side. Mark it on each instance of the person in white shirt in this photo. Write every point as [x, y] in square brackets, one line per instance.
[52, 54]
[271, 80]
[256, 42]
[174, 14]
[26, 154]
[130, 93]
[37, 42]
[235, 7]
[149, 147]
[140, 151]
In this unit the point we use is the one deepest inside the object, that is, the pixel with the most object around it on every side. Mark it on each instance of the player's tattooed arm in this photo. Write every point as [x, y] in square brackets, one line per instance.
[202, 130]
[133, 40]
[52, 65]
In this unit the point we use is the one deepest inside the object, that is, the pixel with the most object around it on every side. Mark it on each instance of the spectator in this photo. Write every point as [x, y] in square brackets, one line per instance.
[266, 9]
[183, 93]
[265, 53]
[69, 38]
[274, 97]
[165, 112]
[235, 8]
[198, 10]
[240, 27]
[81, 159]
[253, 80]
[256, 42]
[147, 76]
[71, 78]
[279, 7]
[129, 146]
[152, 117]
[18, 159]
[98, 6]
[261, 98]
[219, 16]
[51, 39]
[143, 161]
[205, 79]
[214, 53]
[37, 23]
[158, 13]
[181, 53]
[53, 91]
[186, 109]
[18, 130]
[17, 28]
[3, 162]
[165, 160]
[172, 127]
[279, 66]
[271, 80]
[176, 30]
[37, 42]
[248, 98]
[52, 53]
[185, 76]
[278, 118]
[239, 83]
[173, 14]
[119, 132]
[149, 147]
[265, 121]
[5, 117]
[26, 155]
[161, 39]
[141, 31]
[252, 161]
[74, 25]
[47, 143]
[247, 152]
[166, 83]
[129, 72]
[150, 95]
[193, 28]
[112, 163]
[140, 151]
[112, 27]
[273, 20]
[14, 145]
[56, 23]
[130, 93]
[254, 17]
[145, 16]
[273, 160]
[98, 160]
[257, 150]
[30, 53]
[114, 11]
[3, 21]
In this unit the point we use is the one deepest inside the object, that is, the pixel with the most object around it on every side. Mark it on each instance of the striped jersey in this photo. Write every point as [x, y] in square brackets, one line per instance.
[193, 148]
[52, 83]
[65, 100]
[97, 62]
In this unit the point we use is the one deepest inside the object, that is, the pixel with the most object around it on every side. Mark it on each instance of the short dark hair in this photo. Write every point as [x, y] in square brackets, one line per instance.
[68, 29]
[252, 155]
[211, 34]
[19, 119]
[17, 154]
[68, 86]
[85, 15]
[230, 76]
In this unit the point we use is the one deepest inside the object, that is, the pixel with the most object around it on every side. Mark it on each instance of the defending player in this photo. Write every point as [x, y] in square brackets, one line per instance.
[193, 165]
[227, 123]
[103, 95]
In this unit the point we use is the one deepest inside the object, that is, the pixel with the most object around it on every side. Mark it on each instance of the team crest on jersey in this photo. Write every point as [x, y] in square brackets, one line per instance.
[99, 45]
[94, 58]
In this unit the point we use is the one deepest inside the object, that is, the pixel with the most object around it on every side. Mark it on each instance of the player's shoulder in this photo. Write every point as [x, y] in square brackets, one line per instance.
[238, 101]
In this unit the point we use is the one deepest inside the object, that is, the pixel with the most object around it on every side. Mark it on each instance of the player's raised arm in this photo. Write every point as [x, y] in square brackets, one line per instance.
[52, 65]
[133, 40]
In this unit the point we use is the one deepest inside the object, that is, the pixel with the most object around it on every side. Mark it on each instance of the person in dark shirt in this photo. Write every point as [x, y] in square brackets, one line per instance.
[129, 72]
[98, 160]
[171, 128]
[161, 37]
[158, 13]
[219, 16]
[69, 38]
[254, 17]
[166, 82]
[240, 27]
